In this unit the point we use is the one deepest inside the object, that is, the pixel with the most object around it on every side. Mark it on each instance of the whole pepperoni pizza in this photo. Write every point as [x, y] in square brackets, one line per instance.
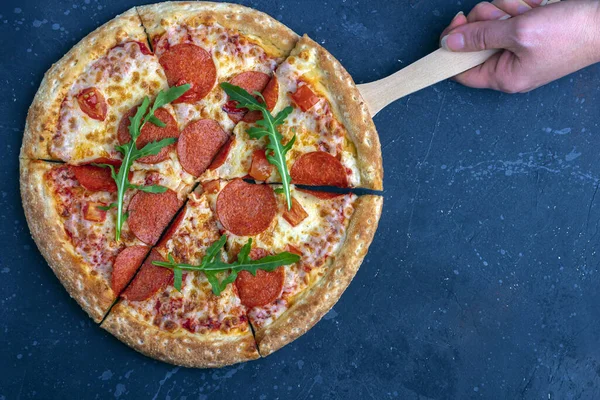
[177, 173]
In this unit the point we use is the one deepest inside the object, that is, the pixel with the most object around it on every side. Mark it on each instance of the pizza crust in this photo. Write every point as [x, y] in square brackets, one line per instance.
[90, 290]
[180, 348]
[42, 119]
[315, 303]
[351, 110]
[271, 34]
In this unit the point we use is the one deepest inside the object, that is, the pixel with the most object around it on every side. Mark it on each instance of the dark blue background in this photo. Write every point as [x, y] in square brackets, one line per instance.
[482, 281]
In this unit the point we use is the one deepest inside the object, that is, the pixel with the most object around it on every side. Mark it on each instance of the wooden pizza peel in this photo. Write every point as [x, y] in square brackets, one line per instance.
[429, 70]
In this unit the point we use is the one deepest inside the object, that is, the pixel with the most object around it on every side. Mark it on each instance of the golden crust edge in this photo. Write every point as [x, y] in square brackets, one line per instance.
[315, 303]
[92, 292]
[184, 349]
[42, 118]
[352, 109]
[232, 16]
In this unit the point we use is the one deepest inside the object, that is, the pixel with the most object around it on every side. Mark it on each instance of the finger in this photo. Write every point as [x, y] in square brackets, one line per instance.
[458, 20]
[479, 77]
[495, 74]
[512, 7]
[480, 36]
[486, 12]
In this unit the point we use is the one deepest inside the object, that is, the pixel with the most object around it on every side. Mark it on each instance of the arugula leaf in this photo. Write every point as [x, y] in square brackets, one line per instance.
[212, 264]
[149, 189]
[275, 151]
[153, 148]
[131, 153]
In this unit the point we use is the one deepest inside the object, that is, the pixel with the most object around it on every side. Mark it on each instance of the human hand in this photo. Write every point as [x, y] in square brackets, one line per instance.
[538, 44]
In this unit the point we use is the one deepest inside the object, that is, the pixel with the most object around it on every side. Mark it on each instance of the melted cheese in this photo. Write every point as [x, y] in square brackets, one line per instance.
[92, 241]
[316, 129]
[319, 237]
[168, 173]
[124, 76]
[232, 54]
[195, 309]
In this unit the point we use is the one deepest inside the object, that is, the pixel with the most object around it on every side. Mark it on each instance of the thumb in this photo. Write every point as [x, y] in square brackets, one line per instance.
[478, 36]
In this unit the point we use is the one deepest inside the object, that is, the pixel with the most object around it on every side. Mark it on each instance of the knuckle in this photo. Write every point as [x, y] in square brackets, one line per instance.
[479, 39]
[522, 31]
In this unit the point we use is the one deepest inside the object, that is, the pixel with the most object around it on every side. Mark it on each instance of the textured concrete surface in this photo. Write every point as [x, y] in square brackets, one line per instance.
[482, 281]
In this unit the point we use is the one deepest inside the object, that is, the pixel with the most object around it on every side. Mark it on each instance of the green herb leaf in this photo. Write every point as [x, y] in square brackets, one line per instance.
[169, 96]
[154, 148]
[149, 189]
[275, 151]
[212, 264]
[131, 153]
[154, 119]
[108, 207]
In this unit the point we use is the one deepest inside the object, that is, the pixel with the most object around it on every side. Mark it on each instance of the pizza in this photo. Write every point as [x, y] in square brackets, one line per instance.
[77, 238]
[165, 217]
[333, 129]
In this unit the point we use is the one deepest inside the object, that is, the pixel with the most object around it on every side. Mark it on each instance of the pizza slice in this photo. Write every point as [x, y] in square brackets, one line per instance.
[192, 327]
[331, 233]
[336, 143]
[65, 209]
[204, 44]
[80, 103]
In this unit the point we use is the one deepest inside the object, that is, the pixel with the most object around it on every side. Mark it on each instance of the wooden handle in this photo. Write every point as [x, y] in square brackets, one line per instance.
[431, 69]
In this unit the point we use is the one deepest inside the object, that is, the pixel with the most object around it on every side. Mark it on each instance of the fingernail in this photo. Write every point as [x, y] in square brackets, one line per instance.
[504, 18]
[522, 9]
[457, 15]
[496, 14]
[453, 42]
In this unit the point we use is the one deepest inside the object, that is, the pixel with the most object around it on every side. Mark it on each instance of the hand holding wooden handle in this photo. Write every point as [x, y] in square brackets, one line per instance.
[436, 67]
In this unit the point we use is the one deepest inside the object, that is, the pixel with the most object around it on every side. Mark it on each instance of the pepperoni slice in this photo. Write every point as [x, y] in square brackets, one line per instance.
[296, 215]
[198, 144]
[150, 133]
[149, 214]
[93, 178]
[149, 280]
[321, 195]
[305, 98]
[92, 102]
[250, 81]
[245, 209]
[319, 169]
[125, 265]
[262, 289]
[260, 169]
[271, 95]
[188, 63]
[97, 179]
[172, 229]
[221, 155]
[91, 212]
